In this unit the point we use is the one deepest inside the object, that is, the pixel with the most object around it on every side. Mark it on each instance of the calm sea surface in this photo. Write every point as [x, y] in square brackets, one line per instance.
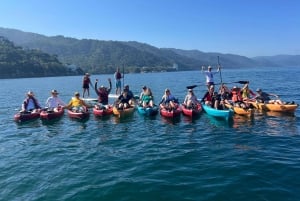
[142, 158]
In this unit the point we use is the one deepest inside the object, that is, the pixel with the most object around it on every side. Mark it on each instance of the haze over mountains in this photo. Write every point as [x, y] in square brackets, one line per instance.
[98, 56]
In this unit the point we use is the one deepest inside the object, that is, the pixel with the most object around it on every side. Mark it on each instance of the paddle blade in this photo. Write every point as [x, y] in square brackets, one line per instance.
[191, 87]
[242, 82]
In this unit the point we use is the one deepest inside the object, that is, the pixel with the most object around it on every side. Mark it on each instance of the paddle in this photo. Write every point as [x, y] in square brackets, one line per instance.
[123, 77]
[220, 70]
[240, 82]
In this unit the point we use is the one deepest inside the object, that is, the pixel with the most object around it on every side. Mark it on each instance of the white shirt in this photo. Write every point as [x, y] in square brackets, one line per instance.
[53, 102]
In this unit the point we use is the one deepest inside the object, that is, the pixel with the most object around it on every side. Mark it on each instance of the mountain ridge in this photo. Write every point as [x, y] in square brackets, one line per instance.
[103, 56]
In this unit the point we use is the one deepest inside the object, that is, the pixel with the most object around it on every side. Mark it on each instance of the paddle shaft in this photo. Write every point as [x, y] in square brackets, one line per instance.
[220, 70]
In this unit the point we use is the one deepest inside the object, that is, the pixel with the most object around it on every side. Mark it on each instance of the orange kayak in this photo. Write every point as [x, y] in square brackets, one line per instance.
[241, 111]
[288, 108]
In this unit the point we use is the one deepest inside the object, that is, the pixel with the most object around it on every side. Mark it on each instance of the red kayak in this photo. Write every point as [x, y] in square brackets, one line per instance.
[192, 112]
[104, 111]
[26, 116]
[170, 113]
[52, 114]
[78, 115]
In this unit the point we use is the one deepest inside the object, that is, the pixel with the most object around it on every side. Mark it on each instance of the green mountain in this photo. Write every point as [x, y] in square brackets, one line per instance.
[98, 56]
[15, 62]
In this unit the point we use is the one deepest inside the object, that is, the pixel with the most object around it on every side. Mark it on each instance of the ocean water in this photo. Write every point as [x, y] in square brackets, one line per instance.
[140, 158]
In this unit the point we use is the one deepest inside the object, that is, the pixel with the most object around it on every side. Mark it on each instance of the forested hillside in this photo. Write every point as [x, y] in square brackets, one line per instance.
[16, 62]
[99, 56]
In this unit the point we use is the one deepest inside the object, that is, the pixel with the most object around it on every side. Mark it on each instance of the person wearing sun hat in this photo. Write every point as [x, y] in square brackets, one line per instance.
[30, 103]
[54, 101]
[190, 99]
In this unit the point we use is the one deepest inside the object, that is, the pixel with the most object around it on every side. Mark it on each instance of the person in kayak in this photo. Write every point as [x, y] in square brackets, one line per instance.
[247, 94]
[168, 101]
[130, 94]
[236, 98]
[190, 100]
[123, 100]
[30, 104]
[147, 98]
[54, 101]
[102, 93]
[76, 104]
[264, 97]
[207, 98]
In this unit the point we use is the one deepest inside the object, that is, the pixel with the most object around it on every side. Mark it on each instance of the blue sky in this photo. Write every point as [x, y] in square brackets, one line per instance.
[245, 27]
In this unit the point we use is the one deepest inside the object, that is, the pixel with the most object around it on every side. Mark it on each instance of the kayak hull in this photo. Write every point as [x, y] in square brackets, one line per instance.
[78, 115]
[191, 112]
[286, 108]
[241, 111]
[170, 113]
[149, 111]
[26, 116]
[225, 114]
[121, 113]
[50, 115]
[103, 112]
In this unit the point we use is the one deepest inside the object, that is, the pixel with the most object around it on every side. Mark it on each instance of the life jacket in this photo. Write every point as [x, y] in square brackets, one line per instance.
[36, 105]
[245, 93]
[208, 96]
[118, 75]
[236, 96]
[86, 81]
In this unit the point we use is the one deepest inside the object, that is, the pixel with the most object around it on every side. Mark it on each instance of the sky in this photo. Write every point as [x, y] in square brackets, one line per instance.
[244, 27]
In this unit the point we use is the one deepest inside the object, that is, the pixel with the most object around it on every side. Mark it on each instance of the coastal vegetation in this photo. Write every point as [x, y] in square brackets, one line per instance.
[25, 54]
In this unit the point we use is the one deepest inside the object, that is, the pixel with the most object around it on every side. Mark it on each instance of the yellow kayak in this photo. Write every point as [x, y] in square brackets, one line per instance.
[241, 111]
[289, 108]
[123, 112]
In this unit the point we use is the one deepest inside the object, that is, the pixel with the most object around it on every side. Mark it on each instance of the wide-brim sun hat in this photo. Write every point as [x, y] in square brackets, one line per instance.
[76, 94]
[30, 93]
[54, 91]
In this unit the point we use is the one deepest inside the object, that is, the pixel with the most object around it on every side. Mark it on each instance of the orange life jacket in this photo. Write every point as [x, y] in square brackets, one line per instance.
[236, 96]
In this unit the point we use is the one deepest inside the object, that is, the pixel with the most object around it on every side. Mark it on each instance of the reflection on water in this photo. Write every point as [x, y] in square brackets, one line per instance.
[217, 122]
[172, 121]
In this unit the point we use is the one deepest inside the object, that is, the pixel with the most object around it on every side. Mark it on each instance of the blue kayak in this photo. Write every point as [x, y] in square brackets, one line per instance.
[148, 111]
[226, 114]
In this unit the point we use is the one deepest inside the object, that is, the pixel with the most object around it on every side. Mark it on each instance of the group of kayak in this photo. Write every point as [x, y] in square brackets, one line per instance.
[223, 104]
